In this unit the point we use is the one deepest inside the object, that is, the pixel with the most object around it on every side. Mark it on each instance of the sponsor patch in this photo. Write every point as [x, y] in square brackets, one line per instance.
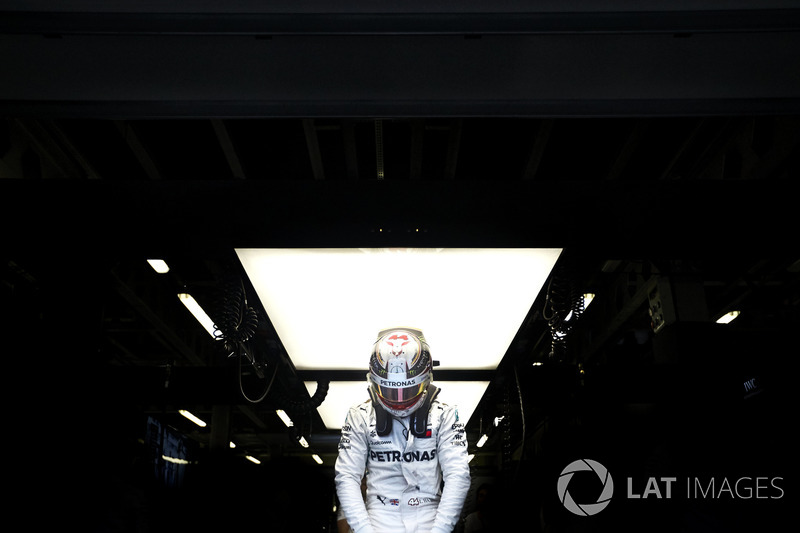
[397, 456]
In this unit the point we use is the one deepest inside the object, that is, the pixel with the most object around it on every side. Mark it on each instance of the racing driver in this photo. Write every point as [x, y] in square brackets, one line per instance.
[406, 441]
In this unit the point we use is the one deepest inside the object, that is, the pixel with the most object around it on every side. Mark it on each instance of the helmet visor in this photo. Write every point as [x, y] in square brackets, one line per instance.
[399, 393]
[400, 398]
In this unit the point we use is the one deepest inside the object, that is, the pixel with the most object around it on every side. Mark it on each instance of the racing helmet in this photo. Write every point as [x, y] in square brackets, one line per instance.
[400, 370]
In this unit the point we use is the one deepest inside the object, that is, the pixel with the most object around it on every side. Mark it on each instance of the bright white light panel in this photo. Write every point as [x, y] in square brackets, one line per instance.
[328, 305]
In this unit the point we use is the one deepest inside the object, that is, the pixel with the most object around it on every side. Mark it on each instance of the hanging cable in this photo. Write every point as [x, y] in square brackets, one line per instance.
[522, 416]
[303, 405]
[562, 308]
[238, 320]
[238, 324]
[267, 388]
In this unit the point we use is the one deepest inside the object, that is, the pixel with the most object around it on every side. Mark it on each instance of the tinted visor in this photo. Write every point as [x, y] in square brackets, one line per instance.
[400, 398]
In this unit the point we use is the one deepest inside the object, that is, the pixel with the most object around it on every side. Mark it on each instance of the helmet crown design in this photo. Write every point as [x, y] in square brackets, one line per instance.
[400, 369]
[396, 343]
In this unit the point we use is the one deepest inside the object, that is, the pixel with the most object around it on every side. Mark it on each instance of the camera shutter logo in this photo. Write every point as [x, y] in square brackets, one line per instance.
[585, 509]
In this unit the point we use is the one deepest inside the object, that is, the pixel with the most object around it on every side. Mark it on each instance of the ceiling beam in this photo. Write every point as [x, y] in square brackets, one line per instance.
[228, 148]
[453, 146]
[533, 107]
[143, 309]
[88, 168]
[409, 21]
[247, 410]
[138, 149]
[417, 143]
[467, 213]
[380, 170]
[787, 143]
[48, 148]
[537, 148]
[716, 148]
[627, 150]
[688, 140]
[314, 154]
[350, 150]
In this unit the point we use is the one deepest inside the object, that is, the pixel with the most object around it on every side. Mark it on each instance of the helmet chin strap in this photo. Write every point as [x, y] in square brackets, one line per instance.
[419, 417]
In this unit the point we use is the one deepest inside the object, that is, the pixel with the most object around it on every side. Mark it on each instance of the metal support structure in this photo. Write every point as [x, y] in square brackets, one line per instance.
[141, 153]
[538, 148]
[453, 145]
[627, 150]
[220, 428]
[143, 309]
[379, 168]
[312, 141]
[350, 151]
[417, 142]
[676, 299]
[52, 155]
[228, 148]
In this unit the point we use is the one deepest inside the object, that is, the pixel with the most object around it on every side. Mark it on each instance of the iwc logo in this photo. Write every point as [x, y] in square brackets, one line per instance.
[585, 509]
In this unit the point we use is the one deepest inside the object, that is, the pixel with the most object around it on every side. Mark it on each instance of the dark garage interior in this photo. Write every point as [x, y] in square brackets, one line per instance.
[655, 142]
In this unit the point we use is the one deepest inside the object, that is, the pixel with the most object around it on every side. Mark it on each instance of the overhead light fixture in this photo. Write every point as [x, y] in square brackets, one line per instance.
[284, 417]
[159, 265]
[192, 417]
[252, 459]
[303, 442]
[174, 460]
[317, 458]
[482, 440]
[729, 317]
[347, 295]
[342, 395]
[198, 312]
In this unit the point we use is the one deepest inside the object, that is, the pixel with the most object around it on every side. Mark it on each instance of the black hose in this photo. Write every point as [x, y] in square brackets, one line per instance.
[266, 389]
[238, 321]
[304, 405]
[563, 307]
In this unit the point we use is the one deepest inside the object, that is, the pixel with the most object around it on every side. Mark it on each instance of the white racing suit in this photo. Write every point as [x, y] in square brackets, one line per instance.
[404, 472]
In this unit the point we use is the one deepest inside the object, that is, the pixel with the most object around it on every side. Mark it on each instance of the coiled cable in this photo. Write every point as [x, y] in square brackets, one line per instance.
[238, 320]
[238, 324]
[563, 307]
[298, 404]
